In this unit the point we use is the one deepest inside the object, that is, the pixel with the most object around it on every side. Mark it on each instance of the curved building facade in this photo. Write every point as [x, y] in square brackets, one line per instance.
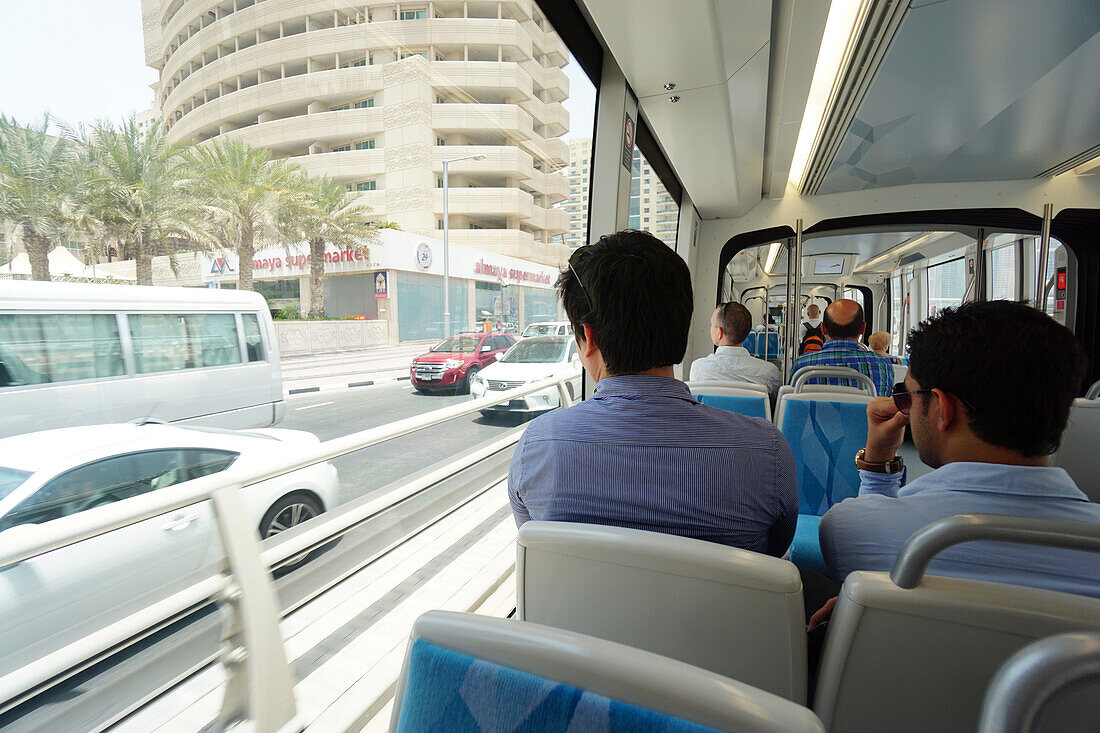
[376, 96]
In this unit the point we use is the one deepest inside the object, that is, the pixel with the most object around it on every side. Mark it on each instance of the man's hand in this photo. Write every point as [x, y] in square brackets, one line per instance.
[822, 614]
[885, 430]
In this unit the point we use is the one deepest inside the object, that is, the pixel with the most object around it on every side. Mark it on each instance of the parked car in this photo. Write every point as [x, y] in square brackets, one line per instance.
[53, 599]
[548, 328]
[530, 360]
[453, 362]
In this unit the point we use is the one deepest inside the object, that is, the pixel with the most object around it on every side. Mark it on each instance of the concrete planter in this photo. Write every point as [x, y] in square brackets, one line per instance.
[312, 337]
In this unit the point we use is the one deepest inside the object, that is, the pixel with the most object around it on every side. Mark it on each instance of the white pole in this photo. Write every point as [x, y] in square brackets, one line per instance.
[446, 259]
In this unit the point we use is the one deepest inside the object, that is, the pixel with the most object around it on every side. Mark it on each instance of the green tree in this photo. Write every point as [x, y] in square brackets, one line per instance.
[133, 192]
[324, 212]
[243, 192]
[36, 176]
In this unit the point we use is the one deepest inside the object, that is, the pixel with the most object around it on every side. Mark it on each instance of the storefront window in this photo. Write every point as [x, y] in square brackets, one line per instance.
[420, 306]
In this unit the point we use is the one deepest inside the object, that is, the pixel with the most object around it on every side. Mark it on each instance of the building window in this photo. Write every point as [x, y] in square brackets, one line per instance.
[411, 15]
[366, 186]
[365, 144]
[363, 104]
[341, 148]
[439, 183]
[439, 223]
[360, 62]
[440, 100]
[440, 141]
[338, 108]
[476, 226]
[407, 54]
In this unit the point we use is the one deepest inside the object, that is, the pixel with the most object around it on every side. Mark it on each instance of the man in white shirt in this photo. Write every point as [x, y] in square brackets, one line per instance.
[813, 320]
[729, 325]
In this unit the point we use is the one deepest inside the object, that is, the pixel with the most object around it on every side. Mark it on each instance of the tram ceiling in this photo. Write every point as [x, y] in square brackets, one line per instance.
[980, 90]
[716, 52]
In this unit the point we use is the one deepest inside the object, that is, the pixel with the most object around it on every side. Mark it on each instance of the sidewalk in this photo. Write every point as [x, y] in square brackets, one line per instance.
[352, 368]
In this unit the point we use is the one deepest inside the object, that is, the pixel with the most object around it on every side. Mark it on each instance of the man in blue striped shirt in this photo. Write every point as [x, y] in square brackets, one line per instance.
[641, 452]
[843, 325]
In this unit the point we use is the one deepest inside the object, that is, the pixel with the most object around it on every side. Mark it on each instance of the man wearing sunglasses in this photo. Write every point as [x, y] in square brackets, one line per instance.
[986, 418]
[641, 452]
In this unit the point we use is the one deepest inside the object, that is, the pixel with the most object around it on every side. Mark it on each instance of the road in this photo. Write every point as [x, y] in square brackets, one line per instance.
[337, 413]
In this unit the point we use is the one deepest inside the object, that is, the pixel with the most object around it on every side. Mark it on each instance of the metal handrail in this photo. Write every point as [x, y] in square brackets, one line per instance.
[1034, 675]
[934, 538]
[259, 685]
[1094, 391]
[821, 372]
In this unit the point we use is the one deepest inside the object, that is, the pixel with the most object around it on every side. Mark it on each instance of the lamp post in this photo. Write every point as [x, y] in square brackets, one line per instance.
[446, 244]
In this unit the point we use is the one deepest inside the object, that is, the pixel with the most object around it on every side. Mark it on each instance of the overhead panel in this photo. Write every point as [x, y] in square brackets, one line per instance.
[716, 53]
[977, 90]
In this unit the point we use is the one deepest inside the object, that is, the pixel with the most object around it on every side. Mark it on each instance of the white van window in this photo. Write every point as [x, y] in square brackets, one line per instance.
[38, 348]
[166, 342]
[253, 337]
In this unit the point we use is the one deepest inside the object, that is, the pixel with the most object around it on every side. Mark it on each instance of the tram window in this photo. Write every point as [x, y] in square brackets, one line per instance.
[1002, 275]
[946, 284]
[895, 312]
[648, 194]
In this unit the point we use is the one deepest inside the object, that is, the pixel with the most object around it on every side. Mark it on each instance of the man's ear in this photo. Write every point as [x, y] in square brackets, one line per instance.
[587, 344]
[947, 412]
[863, 329]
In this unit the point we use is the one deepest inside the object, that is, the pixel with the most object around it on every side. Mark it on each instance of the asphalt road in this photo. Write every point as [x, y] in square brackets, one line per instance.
[337, 413]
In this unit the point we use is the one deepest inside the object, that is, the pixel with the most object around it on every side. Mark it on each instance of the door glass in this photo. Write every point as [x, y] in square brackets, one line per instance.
[99, 483]
[1001, 280]
[946, 285]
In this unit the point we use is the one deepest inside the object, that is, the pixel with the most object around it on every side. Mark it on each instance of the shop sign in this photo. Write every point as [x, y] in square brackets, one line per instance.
[381, 286]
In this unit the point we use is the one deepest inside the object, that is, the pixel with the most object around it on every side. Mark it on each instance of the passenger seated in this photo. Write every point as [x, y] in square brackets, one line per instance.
[843, 324]
[730, 325]
[986, 421]
[641, 452]
[879, 341]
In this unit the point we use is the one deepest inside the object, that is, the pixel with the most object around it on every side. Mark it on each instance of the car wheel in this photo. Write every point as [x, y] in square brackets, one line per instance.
[288, 512]
[470, 374]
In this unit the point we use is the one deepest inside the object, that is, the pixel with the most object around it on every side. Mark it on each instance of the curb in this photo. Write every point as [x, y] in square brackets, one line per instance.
[334, 387]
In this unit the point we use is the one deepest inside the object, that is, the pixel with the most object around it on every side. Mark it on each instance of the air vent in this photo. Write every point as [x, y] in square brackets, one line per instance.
[910, 259]
[1072, 163]
[863, 58]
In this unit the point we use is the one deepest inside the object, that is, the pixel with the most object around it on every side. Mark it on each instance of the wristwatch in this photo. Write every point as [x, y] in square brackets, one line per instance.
[894, 465]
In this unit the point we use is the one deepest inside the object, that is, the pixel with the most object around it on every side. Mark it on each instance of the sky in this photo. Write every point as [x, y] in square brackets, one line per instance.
[84, 60]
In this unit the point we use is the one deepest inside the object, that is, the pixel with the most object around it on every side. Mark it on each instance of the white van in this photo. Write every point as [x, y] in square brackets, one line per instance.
[82, 354]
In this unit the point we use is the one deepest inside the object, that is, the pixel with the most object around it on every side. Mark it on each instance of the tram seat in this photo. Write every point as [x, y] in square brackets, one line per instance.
[762, 345]
[1079, 453]
[825, 427]
[900, 370]
[734, 612]
[464, 672]
[910, 653]
[746, 398]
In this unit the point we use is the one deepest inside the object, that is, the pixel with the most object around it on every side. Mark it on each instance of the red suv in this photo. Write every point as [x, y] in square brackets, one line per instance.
[453, 362]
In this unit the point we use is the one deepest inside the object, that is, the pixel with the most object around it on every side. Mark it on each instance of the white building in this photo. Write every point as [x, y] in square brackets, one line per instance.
[376, 95]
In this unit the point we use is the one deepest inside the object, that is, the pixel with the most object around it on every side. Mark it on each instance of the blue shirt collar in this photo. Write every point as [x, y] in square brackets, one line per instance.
[997, 478]
[637, 385]
[842, 344]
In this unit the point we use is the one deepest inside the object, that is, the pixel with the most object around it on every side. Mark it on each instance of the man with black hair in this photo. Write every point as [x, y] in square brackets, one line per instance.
[843, 324]
[641, 452]
[730, 324]
[986, 420]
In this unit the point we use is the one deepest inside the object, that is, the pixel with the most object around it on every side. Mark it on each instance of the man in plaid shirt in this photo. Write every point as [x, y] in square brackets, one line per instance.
[843, 325]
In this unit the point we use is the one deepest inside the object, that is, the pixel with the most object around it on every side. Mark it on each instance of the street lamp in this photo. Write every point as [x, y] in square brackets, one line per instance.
[446, 244]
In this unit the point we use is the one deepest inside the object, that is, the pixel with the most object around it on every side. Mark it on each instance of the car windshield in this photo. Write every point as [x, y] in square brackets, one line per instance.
[10, 480]
[536, 352]
[458, 344]
[540, 329]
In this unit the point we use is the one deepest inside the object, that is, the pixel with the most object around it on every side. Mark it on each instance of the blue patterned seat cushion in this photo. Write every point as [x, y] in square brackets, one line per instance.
[454, 693]
[825, 437]
[748, 406]
[806, 547]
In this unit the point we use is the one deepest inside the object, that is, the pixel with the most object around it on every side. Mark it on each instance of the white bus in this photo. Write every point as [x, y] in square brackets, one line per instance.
[75, 354]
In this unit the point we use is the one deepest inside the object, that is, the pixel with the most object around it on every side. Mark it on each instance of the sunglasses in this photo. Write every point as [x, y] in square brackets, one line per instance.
[574, 258]
[903, 398]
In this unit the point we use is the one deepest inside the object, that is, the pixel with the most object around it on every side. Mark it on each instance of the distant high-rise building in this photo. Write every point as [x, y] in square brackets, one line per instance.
[576, 208]
[376, 95]
[651, 207]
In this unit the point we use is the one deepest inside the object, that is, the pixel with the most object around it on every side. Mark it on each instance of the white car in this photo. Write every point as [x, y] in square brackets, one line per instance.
[53, 599]
[547, 328]
[529, 360]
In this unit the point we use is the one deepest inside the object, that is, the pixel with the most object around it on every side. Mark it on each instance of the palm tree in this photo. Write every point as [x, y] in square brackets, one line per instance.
[132, 193]
[324, 212]
[243, 191]
[35, 186]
